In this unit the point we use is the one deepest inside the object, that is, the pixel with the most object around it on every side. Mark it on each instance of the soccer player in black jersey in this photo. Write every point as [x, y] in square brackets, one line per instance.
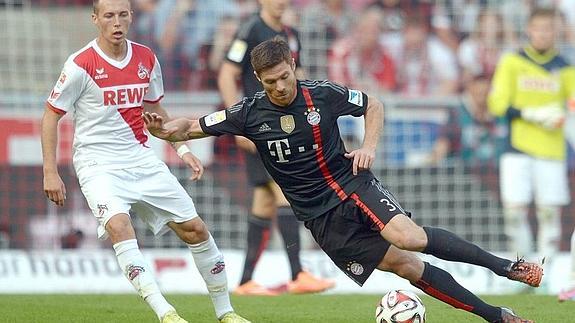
[352, 216]
[267, 200]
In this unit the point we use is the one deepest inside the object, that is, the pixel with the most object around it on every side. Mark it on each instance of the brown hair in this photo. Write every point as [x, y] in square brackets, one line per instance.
[542, 12]
[270, 53]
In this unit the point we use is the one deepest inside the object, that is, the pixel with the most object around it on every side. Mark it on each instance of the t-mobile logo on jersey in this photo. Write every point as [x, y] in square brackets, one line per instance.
[277, 149]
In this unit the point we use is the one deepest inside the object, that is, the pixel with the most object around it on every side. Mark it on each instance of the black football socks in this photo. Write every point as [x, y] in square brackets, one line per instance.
[439, 284]
[288, 226]
[258, 238]
[448, 246]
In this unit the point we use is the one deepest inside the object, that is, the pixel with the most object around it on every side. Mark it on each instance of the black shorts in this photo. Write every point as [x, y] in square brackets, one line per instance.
[350, 233]
[257, 173]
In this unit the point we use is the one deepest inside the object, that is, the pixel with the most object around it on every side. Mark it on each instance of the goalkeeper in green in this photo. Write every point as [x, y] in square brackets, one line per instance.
[531, 88]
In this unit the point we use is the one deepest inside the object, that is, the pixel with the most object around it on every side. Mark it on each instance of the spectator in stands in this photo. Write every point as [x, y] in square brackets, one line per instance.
[223, 37]
[515, 13]
[359, 60]
[428, 67]
[107, 85]
[463, 15]
[321, 24]
[268, 201]
[480, 52]
[433, 15]
[395, 13]
[565, 38]
[183, 30]
[145, 23]
[530, 88]
[471, 133]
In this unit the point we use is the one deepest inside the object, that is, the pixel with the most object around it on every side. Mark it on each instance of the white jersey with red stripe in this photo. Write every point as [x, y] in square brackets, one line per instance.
[106, 97]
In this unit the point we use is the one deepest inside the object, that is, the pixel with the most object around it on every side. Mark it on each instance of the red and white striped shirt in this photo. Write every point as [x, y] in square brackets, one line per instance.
[106, 97]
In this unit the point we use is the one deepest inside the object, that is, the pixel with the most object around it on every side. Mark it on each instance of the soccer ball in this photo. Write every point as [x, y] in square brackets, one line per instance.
[400, 306]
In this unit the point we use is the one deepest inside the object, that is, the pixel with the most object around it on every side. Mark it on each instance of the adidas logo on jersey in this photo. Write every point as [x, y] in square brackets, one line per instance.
[264, 127]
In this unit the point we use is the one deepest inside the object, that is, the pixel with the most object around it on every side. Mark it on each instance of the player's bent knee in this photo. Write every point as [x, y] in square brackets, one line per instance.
[192, 231]
[119, 228]
[403, 233]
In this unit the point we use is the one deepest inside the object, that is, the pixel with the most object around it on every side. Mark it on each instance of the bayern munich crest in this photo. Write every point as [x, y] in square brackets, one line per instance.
[313, 118]
[355, 268]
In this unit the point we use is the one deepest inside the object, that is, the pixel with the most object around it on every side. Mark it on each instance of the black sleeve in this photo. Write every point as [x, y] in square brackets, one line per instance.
[228, 121]
[239, 50]
[345, 101]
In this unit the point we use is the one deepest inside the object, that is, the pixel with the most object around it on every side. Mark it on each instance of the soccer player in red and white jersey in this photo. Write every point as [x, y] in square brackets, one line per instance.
[107, 85]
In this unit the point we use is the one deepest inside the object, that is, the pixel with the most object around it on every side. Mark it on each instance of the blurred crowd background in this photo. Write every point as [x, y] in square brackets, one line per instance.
[431, 62]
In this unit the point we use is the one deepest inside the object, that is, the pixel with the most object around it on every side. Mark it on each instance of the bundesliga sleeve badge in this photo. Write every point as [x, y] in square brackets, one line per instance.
[215, 118]
[355, 97]
[237, 51]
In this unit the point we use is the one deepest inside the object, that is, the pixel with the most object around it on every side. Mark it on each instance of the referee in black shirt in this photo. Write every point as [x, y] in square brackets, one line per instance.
[268, 199]
[352, 216]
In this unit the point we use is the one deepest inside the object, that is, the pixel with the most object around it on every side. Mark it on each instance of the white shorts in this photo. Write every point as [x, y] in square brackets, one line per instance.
[525, 178]
[154, 193]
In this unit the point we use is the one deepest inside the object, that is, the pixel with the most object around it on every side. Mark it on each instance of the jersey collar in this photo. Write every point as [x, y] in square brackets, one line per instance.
[538, 57]
[118, 64]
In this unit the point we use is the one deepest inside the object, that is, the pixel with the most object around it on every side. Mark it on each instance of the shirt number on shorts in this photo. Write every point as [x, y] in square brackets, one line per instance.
[389, 204]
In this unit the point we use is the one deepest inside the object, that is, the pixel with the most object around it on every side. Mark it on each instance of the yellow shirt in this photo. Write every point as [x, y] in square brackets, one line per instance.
[529, 79]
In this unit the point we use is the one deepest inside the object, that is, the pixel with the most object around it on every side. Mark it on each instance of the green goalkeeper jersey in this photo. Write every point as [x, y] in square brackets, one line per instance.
[528, 79]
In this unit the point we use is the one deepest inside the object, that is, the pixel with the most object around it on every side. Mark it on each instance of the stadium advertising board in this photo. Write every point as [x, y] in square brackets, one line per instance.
[96, 271]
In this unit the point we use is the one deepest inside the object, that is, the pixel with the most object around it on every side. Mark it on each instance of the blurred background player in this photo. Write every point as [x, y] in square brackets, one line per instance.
[530, 87]
[268, 200]
[107, 85]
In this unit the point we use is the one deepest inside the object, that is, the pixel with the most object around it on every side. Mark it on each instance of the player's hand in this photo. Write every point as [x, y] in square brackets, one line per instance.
[362, 159]
[195, 164]
[155, 125]
[55, 189]
[549, 117]
[246, 144]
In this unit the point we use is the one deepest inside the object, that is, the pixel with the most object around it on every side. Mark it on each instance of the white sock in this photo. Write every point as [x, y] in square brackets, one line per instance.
[210, 264]
[549, 232]
[517, 230]
[139, 274]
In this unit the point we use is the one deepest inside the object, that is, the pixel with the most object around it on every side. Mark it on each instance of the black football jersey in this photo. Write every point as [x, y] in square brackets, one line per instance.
[250, 34]
[300, 144]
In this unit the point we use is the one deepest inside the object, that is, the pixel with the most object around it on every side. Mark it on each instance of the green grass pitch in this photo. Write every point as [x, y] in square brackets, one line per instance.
[288, 308]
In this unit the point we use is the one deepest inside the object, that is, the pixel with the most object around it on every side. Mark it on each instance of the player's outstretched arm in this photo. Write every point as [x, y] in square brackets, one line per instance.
[180, 129]
[181, 148]
[54, 187]
[364, 157]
